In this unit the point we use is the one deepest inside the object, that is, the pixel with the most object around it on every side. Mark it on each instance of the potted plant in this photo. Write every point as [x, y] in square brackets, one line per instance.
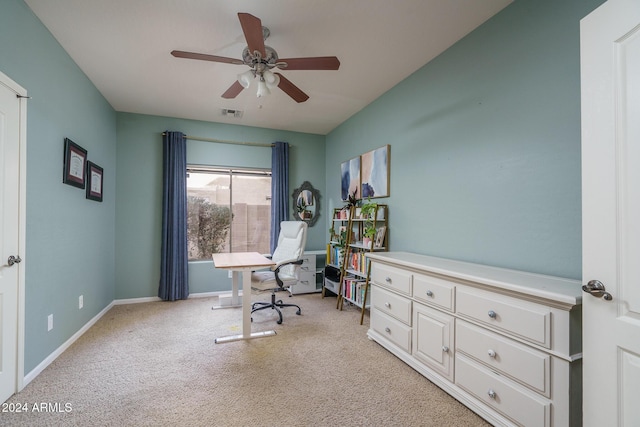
[351, 202]
[368, 213]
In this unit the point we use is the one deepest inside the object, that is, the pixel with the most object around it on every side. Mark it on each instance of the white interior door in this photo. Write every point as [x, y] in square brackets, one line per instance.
[610, 71]
[11, 126]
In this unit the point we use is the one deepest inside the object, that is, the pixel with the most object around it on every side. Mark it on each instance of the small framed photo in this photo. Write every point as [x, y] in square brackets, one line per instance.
[380, 232]
[94, 181]
[75, 158]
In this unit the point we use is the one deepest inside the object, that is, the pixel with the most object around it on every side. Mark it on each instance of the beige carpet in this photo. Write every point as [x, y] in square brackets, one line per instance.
[156, 364]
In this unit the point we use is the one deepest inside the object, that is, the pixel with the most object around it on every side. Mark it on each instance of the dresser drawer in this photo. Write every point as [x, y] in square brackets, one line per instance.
[308, 263]
[391, 277]
[513, 401]
[434, 291]
[392, 304]
[392, 329]
[529, 321]
[524, 364]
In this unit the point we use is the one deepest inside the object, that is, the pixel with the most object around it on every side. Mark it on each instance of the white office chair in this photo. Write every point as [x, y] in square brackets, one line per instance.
[288, 257]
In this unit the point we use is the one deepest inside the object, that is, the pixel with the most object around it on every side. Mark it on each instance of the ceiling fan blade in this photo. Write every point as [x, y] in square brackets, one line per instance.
[205, 57]
[252, 29]
[233, 91]
[292, 90]
[316, 63]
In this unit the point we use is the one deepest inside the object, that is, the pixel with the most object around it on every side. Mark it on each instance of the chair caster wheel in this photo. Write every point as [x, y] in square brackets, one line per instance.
[298, 313]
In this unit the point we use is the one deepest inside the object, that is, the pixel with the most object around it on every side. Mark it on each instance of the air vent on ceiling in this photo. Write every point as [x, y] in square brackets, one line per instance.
[234, 113]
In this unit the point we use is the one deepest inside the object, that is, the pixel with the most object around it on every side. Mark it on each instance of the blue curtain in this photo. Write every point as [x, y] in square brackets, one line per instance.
[174, 278]
[279, 189]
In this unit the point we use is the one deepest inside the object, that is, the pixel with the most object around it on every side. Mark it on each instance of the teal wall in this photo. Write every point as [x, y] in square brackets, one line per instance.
[139, 189]
[70, 240]
[485, 144]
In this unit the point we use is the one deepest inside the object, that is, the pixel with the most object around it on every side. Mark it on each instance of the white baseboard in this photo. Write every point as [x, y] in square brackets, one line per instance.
[53, 356]
[153, 299]
[135, 300]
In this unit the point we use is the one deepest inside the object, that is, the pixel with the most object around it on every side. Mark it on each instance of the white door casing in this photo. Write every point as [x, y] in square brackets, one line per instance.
[610, 79]
[12, 235]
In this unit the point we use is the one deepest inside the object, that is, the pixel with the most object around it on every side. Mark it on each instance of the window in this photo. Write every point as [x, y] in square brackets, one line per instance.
[228, 210]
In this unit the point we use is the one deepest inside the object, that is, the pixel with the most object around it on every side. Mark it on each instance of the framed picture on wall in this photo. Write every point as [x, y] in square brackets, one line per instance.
[375, 173]
[75, 158]
[94, 182]
[350, 178]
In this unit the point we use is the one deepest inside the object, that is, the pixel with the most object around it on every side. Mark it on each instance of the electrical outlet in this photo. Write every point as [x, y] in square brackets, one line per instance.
[50, 322]
[230, 274]
[80, 302]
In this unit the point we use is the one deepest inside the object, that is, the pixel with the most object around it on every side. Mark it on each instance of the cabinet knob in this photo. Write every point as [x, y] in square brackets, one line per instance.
[491, 353]
[445, 349]
[491, 393]
[429, 293]
[492, 314]
[388, 305]
[387, 330]
[387, 279]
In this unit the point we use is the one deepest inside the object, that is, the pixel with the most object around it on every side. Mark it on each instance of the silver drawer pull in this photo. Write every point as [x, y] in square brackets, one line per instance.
[387, 279]
[429, 293]
[388, 305]
[445, 349]
[491, 353]
[387, 330]
[492, 314]
[491, 393]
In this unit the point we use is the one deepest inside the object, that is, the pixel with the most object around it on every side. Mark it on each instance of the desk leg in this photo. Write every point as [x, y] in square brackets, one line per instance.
[246, 304]
[235, 300]
[246, 311]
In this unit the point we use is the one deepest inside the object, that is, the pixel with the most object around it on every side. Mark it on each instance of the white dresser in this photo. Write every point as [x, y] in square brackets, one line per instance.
[505, 343]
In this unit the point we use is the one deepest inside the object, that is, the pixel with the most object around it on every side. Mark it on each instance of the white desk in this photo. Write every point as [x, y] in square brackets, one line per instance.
[245, 263]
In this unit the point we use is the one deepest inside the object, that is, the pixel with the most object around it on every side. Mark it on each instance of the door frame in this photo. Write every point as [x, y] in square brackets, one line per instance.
[21, 93]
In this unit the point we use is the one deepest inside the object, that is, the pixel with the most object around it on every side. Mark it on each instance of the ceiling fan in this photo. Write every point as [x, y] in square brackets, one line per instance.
[262, 59]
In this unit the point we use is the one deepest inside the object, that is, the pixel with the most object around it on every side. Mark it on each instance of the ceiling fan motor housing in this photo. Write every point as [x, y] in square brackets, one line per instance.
[257, 62]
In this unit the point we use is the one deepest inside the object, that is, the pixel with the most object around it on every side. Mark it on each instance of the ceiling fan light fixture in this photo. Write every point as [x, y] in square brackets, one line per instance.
[262, 88]
[245, 78]
[270, 79]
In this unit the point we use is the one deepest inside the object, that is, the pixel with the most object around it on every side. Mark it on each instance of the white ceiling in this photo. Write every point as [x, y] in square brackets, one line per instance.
[124, 47]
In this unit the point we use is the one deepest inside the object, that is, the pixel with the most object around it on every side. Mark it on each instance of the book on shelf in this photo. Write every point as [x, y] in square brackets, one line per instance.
[358, 262]
[353, 289]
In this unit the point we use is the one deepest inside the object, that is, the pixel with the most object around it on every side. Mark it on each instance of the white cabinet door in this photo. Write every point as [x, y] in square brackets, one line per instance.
[433, 339]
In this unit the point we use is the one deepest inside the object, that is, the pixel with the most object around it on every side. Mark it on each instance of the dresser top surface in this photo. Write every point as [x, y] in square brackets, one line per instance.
[562, 290]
